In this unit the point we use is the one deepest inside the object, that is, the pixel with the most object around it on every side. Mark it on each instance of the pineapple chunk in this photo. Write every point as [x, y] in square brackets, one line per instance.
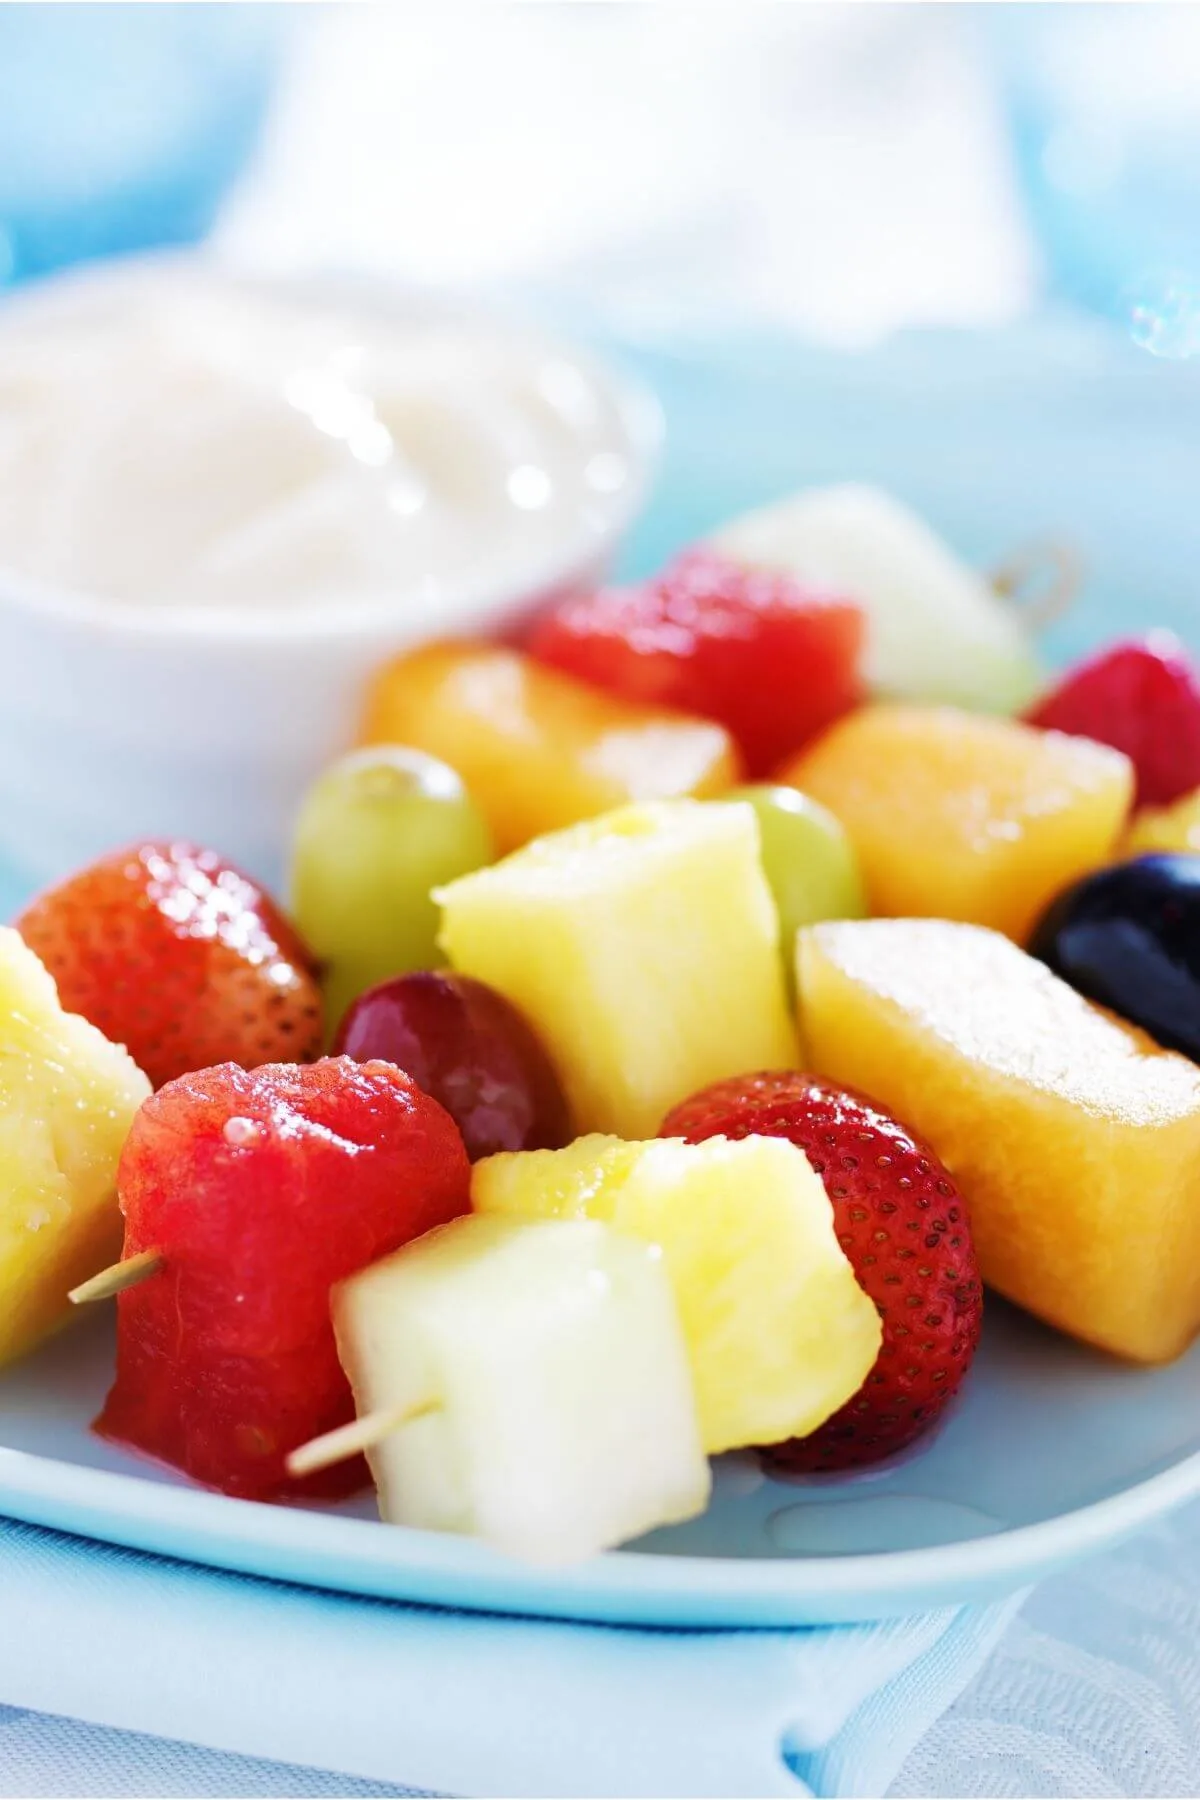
[67, 1099]
[642, 946]
[557, 1413]
[1075, 1140]
[954, 816]
[1174, 827]
[778, 1329]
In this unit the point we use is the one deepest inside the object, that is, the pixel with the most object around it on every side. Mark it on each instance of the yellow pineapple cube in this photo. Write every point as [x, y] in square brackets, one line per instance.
[779, 1332]
[957, 816]
[1074, 1138]
[67, 1099]
[642, 947]
[1175, 827]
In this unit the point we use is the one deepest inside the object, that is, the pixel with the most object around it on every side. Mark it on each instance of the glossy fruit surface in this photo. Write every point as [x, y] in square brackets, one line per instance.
[901, 1222]
[470, 1048]
[67, 1100]
[773, 662]
[550, 1360]
[168, 950]
[540, 749]
[261, 1190]
[376, 833]
[778, 1329]
[808, 860]
[1129, 937]
[1072, 1137]
[1143, 697]
[957, 816]
[642, 947]
[936, 629]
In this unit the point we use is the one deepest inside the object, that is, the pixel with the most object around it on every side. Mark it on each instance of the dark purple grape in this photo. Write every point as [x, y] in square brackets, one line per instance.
[1129, 938]
[469, 1048]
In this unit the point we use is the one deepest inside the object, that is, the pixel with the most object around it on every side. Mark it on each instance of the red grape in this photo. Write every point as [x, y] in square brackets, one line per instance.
[470, 1049]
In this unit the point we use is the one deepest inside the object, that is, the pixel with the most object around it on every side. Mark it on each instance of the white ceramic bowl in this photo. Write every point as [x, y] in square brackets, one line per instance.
[121, 720]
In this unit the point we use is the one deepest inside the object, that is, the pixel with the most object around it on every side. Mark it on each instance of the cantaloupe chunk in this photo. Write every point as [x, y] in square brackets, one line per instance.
[1074, 1139]
[957, 816]
[537, 748]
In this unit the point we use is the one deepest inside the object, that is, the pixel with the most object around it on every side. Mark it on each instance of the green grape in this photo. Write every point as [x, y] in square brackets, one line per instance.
[375, 833]
[808, 860]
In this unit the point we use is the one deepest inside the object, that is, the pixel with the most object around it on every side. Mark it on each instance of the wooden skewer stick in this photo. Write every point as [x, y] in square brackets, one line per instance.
[1040, 580]
[117, 1277]
[349, 1440]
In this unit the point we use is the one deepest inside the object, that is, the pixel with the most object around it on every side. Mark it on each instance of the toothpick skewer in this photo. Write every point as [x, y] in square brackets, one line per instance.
[1040, 580]
[320, 1452]
[117, 1277]
[349, 1440]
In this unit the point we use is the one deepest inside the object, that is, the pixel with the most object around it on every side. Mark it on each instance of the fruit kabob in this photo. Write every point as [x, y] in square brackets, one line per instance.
[534, 1219]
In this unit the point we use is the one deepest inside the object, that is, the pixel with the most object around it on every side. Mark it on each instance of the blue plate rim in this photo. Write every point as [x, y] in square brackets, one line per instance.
[199, 1526]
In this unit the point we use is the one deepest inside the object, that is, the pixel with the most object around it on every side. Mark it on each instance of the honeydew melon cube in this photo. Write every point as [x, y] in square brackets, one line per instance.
[935, 629]
[554, 1412]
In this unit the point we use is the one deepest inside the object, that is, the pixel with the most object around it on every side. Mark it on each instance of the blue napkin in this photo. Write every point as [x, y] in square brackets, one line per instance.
[470, 1704]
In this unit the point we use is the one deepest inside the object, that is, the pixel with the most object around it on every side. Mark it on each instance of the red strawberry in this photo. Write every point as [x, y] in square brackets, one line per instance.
[771, 661]
[260, 1190]
[1141, 696]
[179, 957]
[902, 1224]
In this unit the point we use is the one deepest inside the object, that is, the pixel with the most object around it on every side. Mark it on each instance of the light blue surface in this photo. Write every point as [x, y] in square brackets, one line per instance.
[122, 126]
[1054, 1451]
[1060, 427]
[1105, 139]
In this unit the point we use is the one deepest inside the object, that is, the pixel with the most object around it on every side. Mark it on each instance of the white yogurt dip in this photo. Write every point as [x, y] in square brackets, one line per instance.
[174, 438]
[224, 504]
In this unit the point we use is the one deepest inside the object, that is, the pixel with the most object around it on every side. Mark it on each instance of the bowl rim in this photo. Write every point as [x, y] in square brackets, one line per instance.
[465, 603]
